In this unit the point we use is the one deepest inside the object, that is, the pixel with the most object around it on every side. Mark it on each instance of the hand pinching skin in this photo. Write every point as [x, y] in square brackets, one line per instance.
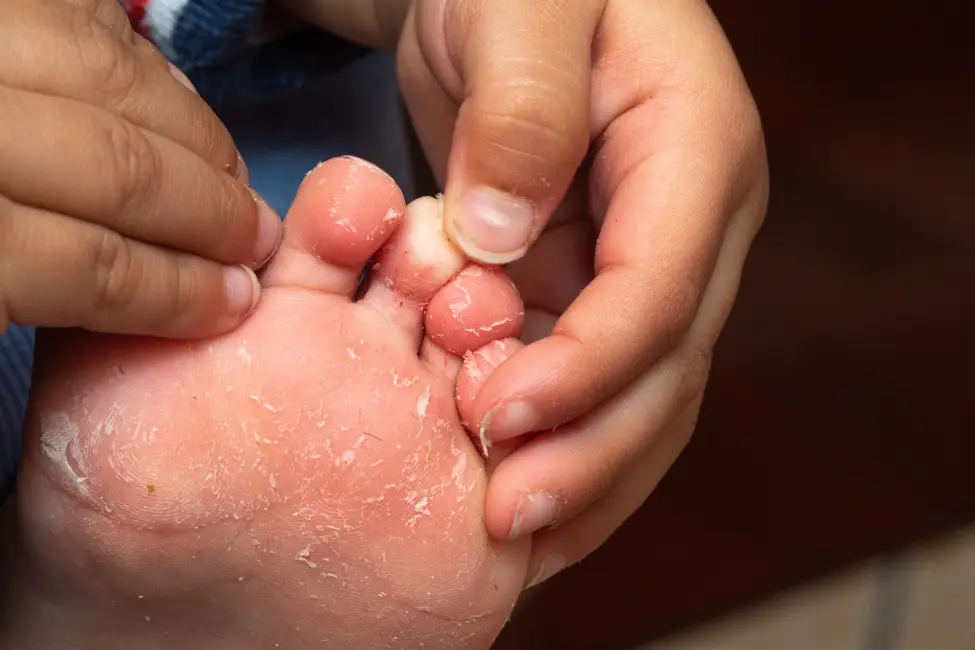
[609, 152]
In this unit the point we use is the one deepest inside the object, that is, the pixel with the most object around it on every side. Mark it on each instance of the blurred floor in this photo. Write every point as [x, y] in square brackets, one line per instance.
[923, 599]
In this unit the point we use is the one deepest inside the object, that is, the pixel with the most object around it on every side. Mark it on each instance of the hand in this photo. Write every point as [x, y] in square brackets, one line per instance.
[119, 206]
[631, 123]
[611, 153]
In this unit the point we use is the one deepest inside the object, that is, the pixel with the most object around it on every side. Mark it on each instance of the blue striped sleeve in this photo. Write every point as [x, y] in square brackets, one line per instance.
[222, 48]
[16, 360]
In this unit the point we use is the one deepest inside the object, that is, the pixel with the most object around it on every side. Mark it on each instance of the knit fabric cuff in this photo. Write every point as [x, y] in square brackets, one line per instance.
[230, 50]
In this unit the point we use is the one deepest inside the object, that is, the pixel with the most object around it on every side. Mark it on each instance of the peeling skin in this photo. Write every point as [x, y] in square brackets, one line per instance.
[58, 433]
[489, 329]
[422, 403]
[484, 439]
[259, 400]
[313, 453]
[472, 367]
[244, 355]
[458, 307]
[403, 382]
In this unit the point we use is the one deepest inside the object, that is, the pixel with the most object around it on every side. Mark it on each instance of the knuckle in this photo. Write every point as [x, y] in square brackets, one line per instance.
[750, 162]
[115, 273]
[679, 310]
[229, 222]
[182, 287]
[110, 12]
[213, 139]
[746, 135]
[134, 165]
[536, 122]
[110, 67]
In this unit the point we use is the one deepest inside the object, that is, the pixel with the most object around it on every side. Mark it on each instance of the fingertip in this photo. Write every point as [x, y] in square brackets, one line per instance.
[510, 420]
[522, 128]
[270, 230]
[535, 510]
[242, 291]
[208, 315]
[517, 508]
[242, 172]
[490, 226]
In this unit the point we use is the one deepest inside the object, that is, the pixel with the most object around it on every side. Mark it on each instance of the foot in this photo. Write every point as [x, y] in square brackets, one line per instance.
[303, 482]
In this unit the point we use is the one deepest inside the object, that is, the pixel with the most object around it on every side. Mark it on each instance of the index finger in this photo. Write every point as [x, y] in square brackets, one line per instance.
[62, 50]
[680, 149]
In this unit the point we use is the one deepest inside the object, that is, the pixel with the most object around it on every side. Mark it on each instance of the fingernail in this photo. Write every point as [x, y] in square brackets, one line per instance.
[534, 511]
[182, 78]
[492, 226]
[243, 174]
[551, 565]
[243, 289]
[510, 420]
[269, 230]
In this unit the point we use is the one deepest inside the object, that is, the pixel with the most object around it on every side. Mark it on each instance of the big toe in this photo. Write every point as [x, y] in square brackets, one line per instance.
[345, 210]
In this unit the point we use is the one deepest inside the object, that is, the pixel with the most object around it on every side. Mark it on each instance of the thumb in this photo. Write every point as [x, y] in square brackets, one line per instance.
[522, 129]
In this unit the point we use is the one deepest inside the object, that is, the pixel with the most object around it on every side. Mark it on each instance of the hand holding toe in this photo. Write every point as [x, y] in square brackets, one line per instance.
[627, 135]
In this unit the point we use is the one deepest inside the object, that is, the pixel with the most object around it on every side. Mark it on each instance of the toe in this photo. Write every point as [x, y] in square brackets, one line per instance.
[344, 211]
[479, 305]
[475, 370]
[416, 262]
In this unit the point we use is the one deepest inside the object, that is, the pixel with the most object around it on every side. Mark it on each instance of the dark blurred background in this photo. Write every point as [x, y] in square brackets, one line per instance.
[838, 424]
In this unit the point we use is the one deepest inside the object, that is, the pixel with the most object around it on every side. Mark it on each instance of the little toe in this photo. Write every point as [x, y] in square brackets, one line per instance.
[475, 370]
[414, 264]
[345, 210]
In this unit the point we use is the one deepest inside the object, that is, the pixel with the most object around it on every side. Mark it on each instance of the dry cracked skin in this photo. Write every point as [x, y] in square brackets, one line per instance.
[302, 482]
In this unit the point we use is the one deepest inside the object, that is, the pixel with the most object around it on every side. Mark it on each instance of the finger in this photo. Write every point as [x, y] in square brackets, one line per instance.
[558, 474]
[563, 473]
[84, 162]
[63, 272]
[558, 267]
[557, 548]
[678, 167]
[108, 12]
[63, 50]
[523, 123]
[433, 112]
